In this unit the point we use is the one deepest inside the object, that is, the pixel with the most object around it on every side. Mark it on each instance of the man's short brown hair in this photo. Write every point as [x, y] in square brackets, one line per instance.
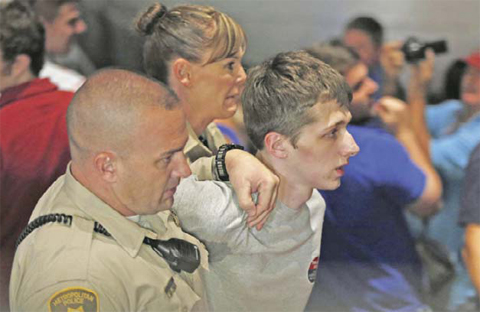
[21, 33]
[279, 93]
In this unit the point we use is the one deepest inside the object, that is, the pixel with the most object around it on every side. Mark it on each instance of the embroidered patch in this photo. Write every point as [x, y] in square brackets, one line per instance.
[312, 270]
[74, 299]
[170, 288]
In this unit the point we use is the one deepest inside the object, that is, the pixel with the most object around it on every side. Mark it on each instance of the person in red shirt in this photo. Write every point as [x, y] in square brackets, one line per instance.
[33, 137]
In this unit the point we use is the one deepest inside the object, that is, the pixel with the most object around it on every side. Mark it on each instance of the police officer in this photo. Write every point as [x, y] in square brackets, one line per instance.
[117, 246]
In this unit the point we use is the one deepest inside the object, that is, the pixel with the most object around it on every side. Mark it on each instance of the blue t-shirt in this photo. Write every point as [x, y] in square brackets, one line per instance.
[368, 260]
[450, 150]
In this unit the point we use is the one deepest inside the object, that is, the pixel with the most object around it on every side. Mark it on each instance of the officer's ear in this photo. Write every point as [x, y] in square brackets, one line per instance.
[106, 166]
[276, 144]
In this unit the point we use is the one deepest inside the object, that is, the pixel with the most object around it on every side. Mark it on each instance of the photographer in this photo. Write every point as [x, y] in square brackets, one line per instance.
[385, 61]
[448, 132]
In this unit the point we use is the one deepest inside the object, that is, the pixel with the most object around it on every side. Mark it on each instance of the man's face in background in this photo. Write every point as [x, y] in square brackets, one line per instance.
[60, 33]
[363, 89]
[363, 44]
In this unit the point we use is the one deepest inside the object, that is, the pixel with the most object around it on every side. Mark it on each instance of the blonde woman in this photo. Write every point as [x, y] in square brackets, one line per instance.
[197, 51]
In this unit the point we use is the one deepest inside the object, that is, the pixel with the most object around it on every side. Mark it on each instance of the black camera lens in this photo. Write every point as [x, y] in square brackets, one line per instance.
[414, 49]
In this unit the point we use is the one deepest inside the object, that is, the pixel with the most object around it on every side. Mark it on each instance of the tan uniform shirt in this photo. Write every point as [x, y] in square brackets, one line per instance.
[201, 157]
[72, 268]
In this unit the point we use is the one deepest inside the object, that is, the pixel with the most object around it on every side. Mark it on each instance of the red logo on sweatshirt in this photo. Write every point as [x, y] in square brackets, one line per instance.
[312, 270]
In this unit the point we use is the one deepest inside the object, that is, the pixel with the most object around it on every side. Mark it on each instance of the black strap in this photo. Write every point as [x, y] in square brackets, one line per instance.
[220, 165]
[179, 254]
[38, 222]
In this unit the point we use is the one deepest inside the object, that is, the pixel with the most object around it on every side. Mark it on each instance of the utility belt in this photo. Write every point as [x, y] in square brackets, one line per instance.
[178, 253]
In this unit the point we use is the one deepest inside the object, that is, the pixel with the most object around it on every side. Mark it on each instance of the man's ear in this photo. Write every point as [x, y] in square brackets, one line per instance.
[20, 65]
[276, 144]
[106, 166]
[182, 71]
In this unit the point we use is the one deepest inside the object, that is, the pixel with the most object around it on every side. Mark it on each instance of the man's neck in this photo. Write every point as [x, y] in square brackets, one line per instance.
[21, 78]
[94, 185]
[26, 77]
[291, 193]
[198, 125]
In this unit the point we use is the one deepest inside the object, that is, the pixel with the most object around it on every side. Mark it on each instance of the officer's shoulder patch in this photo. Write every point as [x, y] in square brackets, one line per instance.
[74, 299]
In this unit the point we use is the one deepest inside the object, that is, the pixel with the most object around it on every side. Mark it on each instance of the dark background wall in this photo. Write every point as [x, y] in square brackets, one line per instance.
[280, 25]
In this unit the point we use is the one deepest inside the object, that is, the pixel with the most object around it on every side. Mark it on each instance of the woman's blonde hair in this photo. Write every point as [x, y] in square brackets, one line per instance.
[186, 31]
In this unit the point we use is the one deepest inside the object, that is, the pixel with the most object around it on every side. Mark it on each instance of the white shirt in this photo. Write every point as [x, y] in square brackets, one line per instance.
[66, 79]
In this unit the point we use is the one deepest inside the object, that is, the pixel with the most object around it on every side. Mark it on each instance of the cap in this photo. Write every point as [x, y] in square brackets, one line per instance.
[473, 59]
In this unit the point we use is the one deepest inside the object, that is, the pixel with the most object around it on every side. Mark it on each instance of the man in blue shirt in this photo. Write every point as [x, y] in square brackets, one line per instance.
[368, 260]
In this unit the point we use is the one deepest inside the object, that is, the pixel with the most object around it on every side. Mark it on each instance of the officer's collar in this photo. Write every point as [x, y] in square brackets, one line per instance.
[128, 234]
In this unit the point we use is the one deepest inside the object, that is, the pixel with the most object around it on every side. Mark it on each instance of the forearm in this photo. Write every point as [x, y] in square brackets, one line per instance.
[248, 175]
[472, 253]
[421, 75]
[417, 104]
[392, 60]
[429, 201]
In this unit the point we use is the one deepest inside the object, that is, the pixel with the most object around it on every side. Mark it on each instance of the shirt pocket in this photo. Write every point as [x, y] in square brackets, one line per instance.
[177, 296]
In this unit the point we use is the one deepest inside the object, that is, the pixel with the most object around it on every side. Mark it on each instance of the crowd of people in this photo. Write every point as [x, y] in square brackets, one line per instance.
[129, 191]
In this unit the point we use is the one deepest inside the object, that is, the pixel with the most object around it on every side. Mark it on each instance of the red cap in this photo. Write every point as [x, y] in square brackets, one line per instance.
[474, 60]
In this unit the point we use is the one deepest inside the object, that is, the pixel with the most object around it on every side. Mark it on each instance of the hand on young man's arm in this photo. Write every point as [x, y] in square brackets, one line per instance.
[247, 176]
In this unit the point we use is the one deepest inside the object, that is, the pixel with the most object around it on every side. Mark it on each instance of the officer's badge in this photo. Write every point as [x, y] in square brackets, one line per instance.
[74, 299]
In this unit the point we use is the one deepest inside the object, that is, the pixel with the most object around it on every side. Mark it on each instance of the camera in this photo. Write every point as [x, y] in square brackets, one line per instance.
[414, 49]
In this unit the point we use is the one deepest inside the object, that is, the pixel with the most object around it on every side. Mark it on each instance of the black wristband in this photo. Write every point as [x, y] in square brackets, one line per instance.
[220, 160]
